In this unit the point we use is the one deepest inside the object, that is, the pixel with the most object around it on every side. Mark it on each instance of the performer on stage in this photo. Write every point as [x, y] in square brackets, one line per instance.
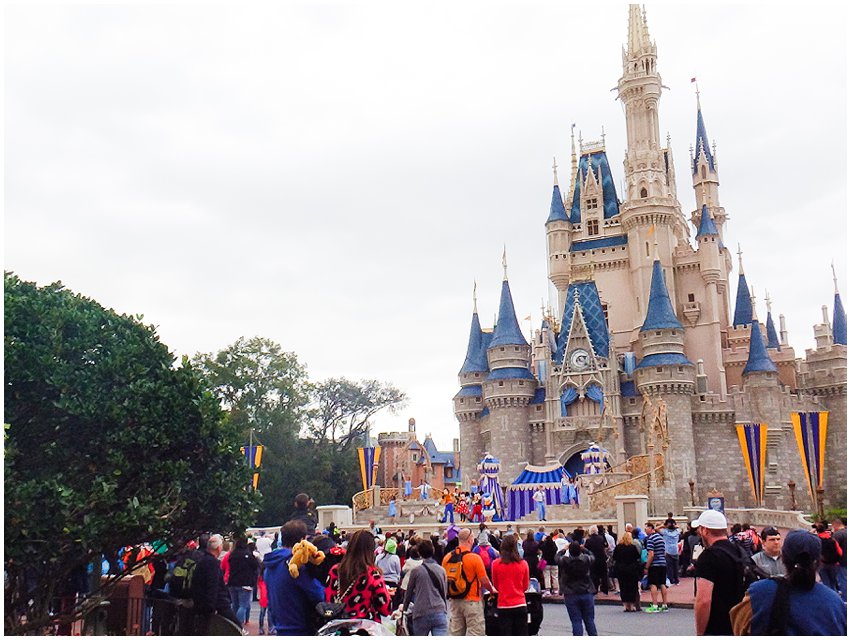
[565, 487]
[448, 506]
[476, 516]
[573, 492]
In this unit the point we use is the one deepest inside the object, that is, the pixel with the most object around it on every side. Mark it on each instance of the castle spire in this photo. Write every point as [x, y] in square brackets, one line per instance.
[476, 360]
[707, 223]
[770, 331]
[557, 210]
[638, 39]
[701, 144]
[743, 314]
[758, 358]
[507, 330]
[475, 302]
[840, 321]
[660, 311]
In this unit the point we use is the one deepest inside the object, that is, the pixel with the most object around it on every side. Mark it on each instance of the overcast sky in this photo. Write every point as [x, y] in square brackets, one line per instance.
[334, 177]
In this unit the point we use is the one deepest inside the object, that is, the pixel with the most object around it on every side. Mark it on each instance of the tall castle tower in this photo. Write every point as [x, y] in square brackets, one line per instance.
[644, 319]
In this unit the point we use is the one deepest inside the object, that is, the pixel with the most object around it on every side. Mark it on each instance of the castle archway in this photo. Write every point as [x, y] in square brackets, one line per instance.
[571, 459]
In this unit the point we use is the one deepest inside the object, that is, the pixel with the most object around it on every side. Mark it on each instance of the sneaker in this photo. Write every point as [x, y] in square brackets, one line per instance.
[663, 608]
[652, 609]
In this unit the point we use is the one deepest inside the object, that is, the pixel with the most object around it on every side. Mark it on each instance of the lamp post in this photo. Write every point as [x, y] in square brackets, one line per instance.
[791, 485]
[820, 502]
[691, 489]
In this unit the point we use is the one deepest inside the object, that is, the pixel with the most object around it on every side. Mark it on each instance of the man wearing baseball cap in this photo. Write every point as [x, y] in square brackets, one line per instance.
[719, 576]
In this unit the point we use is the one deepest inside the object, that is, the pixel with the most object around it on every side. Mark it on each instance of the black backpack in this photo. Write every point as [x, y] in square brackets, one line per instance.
[180, 581]
[830, 551]
[747, 568]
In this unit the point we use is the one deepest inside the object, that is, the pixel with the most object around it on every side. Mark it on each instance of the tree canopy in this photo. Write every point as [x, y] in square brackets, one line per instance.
[107, 444]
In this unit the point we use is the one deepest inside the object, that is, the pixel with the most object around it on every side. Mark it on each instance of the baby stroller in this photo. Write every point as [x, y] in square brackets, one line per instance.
[353, 627]
[534, 609]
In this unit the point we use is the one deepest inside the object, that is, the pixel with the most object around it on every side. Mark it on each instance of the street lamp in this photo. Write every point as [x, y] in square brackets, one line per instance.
[791, 485]
[691, 489]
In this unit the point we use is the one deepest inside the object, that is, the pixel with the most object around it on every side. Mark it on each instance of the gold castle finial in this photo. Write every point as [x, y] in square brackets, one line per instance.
[835, 281]
[475, 302]
[753, 303]
[696, 92]
[504, 264]
[767, 301]
[555, 172]
[741, 266]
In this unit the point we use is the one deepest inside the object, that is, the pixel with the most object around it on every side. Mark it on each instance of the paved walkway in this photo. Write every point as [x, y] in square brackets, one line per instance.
[680, 596]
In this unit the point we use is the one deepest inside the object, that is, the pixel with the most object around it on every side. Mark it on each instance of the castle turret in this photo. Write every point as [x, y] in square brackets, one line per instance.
[704, 175]
[758, 358]
[770, 331]
[743, 313]
[509, 387]
[469, 400]
[558, 242]
[665, 374]
[840, 320]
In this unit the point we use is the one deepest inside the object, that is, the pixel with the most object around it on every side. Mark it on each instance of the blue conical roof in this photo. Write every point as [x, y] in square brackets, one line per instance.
[707, 224]
[660, 312]
[702, 140]
[840, 322]
[476, 360]
[507, 330]
[773, 342]
[598, 163]
[557, 212]
[758, 359]
[743, 315]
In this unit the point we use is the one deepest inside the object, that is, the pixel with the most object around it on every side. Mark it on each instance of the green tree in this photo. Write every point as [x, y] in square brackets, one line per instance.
[266, 392]
[108, 444]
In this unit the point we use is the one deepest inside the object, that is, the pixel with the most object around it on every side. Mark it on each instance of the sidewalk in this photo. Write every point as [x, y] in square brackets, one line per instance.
[680, 596]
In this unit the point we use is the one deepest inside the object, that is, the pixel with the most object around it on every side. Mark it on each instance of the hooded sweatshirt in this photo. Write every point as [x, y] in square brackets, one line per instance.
[292, 601]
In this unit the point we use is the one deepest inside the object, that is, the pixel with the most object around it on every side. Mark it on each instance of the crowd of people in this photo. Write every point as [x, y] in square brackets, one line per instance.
[488, 580]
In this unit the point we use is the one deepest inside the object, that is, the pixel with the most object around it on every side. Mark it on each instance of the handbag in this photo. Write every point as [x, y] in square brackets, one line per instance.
[334, 610]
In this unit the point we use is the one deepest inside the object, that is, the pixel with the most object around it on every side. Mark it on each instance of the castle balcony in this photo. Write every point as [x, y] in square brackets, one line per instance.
[691, 312]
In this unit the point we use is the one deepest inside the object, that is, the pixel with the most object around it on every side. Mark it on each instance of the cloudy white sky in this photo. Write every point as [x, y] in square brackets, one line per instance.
[334, 176]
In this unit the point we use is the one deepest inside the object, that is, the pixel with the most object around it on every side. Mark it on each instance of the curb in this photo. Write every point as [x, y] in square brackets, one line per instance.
[613, 602]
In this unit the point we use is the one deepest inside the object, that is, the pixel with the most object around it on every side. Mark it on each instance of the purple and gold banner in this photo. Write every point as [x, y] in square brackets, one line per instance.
[368, 457]
[810, 430]
[752, 439]
[253, 455]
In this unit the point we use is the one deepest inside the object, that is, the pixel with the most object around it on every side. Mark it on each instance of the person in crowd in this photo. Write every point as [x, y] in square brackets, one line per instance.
[540, 534]
[549, 549]
[292, 601]
[690, 540]
[831, 554]
[391, 567]
[574, 577]
[671, 536]
[769, 559]
[302, 512]
[719, 585]
[487, 553]
[357, 582]
[439, 548]
[596, 544]
[242, 578]
[628, 570]
[426, 589]
[264, 621]
[811, 609]
[739, 536]
[530, 549]
[840, 534]
[208, 590]
[560, 540]
[262, 544]
[510, 577]
[656, 568]
[412, 561]
[466, 614]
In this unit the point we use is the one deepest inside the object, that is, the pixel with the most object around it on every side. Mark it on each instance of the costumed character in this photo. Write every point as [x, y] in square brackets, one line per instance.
[448, 506]
[476, 515]
[488, 507]
[462, 507]
[565, 487]
[489, 484]
[304, 552]
[573, 492]
[408, 490]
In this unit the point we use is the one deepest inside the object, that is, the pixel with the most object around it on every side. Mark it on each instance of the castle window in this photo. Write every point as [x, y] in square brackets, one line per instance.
[593, 227]
[658, 369]
[502, 348]
[680, 369]
[475, 375]
[462, 400]
[643, 192]
[691, 297]
[605, 306]
[479, 399]
[522, 384]
[501, 383]
[647, 249]
[538, 408]
[413, 457]
[658, 333]
[517, 348]
[632, 400]
[591, 203]
[703, 172]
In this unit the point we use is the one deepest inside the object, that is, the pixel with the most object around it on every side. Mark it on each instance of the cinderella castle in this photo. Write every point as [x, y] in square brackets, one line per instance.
[649, 350]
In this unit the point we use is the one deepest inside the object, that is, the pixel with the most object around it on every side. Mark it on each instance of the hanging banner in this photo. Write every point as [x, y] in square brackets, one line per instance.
[368, 458]
[253, 455]
[810, 430]
[752, 438]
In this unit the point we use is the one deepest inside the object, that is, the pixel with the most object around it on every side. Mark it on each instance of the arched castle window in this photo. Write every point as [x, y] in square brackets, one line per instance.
[593, 227]
[643, 192]
[703, 172]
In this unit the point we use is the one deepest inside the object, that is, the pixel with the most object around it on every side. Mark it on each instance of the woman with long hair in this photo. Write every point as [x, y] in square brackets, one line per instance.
[510, 577]
[357, 582]
[796, 605]
[628, 570]
[574, 577]
[531, 547]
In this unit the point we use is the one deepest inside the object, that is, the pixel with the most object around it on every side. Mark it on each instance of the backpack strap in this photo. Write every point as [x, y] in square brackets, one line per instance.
[779, 618]
[435, 581]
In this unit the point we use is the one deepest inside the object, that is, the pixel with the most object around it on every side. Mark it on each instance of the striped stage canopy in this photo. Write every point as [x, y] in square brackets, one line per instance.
[520, 491]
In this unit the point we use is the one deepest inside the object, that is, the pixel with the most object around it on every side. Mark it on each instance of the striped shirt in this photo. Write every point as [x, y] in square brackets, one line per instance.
[656, 544]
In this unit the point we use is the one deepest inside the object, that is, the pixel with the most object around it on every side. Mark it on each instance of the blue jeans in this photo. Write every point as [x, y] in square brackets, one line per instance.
[240, 600]
[542, 510]
[672, 565]
[829, 575]
[580, 608]
[436, 623]
[449, 512]
[842, 581]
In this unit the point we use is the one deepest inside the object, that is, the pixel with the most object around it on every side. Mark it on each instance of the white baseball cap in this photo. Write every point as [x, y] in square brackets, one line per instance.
[710, 519]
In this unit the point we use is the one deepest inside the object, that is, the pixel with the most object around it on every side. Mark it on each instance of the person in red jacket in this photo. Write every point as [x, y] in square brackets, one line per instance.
[510, 577]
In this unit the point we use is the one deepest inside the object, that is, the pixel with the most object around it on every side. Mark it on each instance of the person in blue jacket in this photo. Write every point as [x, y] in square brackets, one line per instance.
[292, 601]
